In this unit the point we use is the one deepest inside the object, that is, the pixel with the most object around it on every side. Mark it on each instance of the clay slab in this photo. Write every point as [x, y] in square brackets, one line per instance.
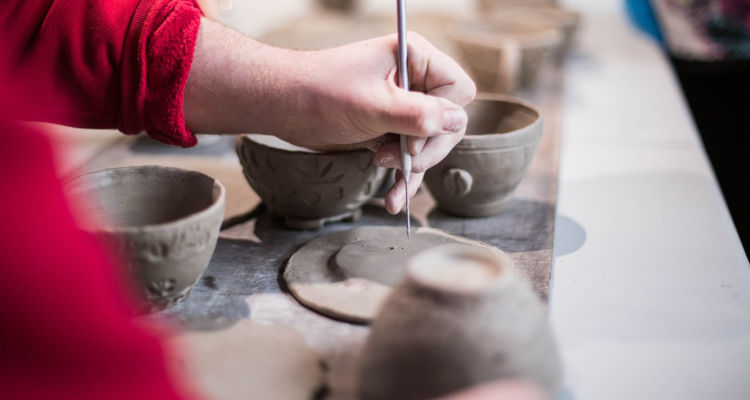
[250, 361]
[348, 274]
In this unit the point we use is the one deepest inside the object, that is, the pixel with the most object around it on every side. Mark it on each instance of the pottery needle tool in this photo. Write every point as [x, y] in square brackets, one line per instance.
[403, 71]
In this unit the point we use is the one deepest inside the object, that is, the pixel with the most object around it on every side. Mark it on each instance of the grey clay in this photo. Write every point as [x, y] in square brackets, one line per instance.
[457, 320]
[309, 189]
[162, 222]
[478, 176]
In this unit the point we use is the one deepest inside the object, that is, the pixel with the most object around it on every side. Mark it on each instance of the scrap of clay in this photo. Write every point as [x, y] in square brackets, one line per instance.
[250, 361]
[348, 274]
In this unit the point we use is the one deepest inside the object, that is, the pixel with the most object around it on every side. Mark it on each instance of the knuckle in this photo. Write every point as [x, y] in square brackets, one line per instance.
[419, 167]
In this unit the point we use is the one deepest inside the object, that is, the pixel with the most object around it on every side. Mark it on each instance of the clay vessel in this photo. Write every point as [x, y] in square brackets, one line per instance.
[458, 319]
[162, 222]
[504, 58]
[306, 188]
[478, 176]
[339, 5]
[566, 20]
[491, 5]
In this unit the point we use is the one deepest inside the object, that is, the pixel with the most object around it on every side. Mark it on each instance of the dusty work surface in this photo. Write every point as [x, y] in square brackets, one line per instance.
[243, 279]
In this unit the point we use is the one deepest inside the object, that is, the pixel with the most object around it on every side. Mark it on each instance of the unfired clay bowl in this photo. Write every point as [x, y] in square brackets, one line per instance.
[550, 16]
[504, 58]
[339, 5]
[459, 318]
[162, 222]
[491, 5]
[306, 188]
[478, 176]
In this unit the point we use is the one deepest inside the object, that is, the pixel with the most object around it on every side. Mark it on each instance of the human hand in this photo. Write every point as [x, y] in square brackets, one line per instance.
[331, 99]
[359, 100]
[500, 390]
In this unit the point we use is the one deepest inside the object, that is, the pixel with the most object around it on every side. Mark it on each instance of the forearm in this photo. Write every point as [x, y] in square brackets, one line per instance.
[239, 85]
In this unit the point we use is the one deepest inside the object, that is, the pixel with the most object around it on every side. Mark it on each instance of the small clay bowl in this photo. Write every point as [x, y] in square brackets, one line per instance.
[339, 5]
[504, 58]
[162, 222]
[491, 5]
[459, 318]
[550, 16]
[478, 176]
[307, 188]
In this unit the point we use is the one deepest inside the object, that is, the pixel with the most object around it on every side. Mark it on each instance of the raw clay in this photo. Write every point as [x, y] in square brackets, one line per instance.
[250, 361]
[347, 275]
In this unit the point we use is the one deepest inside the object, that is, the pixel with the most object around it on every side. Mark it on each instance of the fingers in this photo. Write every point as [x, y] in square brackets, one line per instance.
[437, 74]
[435, 149]
[395, 199]
[422, 115]
[500, 390]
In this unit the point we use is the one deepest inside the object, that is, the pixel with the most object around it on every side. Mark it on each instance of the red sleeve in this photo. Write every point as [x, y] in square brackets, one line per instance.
[106, 64]
[67, 332]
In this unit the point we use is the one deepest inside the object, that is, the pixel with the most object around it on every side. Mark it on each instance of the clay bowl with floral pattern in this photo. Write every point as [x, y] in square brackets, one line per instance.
[306, 188]
[161, 222]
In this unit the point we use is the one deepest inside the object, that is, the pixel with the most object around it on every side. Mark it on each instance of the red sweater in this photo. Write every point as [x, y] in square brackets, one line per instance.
[105, 63]
[66, 329]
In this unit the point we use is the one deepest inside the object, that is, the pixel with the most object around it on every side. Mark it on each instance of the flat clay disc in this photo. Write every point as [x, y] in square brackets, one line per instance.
[347, 275]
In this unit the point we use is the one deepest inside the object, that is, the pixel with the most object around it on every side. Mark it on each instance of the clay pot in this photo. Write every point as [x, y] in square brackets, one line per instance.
[491, 5]
[306, 188]
[551, 16]
[478, 176]
[339, 5]
[162, 222]
[459, 318]
[503, 58]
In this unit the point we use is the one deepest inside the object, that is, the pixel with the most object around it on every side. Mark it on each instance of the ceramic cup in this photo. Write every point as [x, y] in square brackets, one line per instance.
[306, 188]
[504, 58]
[478, 176]
[162, 222]
[458, 319]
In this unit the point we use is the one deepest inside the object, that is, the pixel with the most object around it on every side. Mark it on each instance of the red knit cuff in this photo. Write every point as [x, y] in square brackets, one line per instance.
[156, 62]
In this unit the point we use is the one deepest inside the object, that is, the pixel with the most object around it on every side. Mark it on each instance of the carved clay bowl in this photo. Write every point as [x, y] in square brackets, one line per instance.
[306, 188]
[478, 176]
[503, 58]
[162, 222]
[459, 318]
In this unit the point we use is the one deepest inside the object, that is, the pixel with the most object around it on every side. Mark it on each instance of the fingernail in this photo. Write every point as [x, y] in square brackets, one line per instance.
[454, 120]
[387, 162]
[417, 146]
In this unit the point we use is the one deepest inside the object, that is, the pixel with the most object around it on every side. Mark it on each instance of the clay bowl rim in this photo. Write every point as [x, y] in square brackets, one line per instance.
[246, 137]
[506, 276]
[81, 183]
[490, 140]
[539, 37]
[549, 15]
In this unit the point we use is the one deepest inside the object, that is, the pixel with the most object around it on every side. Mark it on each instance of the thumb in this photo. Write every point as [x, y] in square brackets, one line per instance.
[419, 114]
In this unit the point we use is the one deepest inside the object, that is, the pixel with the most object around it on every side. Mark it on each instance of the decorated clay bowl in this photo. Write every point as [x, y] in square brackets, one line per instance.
[308, 189]
[460, 318]
[478, 176]
[161, 222]
[504, 58]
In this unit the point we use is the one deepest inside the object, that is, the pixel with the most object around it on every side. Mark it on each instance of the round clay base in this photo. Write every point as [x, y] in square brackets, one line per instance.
[347, 275]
